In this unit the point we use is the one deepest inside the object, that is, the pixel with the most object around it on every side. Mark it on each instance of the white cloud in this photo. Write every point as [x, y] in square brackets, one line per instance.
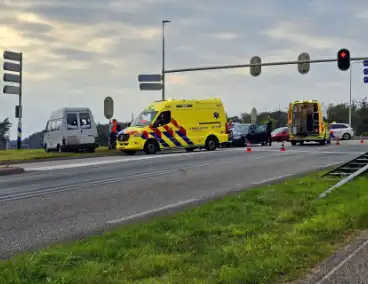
[292, 33]
[78, 52]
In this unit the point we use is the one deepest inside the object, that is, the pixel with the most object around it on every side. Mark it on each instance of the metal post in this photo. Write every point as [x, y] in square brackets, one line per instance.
[351, 73]
[350, 84]
[108, 135]
[163, 58]
[19, 140]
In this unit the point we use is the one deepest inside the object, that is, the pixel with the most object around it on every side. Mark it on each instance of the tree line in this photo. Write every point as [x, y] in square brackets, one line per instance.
[335, 113]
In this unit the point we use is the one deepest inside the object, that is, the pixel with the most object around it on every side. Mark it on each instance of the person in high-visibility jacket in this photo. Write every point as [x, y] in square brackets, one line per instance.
[113, 133]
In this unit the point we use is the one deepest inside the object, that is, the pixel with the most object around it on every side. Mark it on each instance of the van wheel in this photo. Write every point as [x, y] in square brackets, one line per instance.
[211, 143]
[45, 148]
[91, 150]
[293, 143]
[150, 147]
[323, 142]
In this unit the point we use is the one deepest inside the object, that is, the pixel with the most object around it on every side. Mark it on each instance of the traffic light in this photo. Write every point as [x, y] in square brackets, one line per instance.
[343, 59]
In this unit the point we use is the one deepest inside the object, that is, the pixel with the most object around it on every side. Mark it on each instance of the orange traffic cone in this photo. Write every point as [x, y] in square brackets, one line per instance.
[337, 142]
[282, 149]
[249, 146]
[361, 140]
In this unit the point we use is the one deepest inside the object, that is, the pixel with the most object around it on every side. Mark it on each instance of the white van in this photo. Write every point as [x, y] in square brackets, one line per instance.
[71, 129]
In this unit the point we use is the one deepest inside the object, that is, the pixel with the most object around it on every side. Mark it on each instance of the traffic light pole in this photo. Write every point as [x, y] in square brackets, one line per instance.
[350, 87]
[220, 67]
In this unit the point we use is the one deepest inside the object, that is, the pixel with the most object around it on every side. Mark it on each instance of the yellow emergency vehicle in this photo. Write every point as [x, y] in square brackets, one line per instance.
[305, 123]
[187, 124]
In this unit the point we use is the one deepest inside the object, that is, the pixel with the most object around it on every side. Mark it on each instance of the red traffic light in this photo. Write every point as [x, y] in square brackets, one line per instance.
[343, 59]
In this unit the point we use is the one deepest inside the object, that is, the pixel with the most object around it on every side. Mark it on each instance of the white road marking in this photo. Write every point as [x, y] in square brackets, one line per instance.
[315, 152]
[96, 162]
[271, 179]
[332, 271]
[189, 201]
[33, 192]
[121, 160]
[153, 211]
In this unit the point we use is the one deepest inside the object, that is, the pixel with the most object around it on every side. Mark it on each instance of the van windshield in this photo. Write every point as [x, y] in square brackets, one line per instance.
[145, 118]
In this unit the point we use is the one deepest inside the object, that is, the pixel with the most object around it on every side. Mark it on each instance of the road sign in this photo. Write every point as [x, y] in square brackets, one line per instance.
[365, 63]
[255, 70]
[150, 86]
[303, 68]
[13, 67]
[149, 77]
[11, 90]
[16, 67]
[108, 107]
[10, 55]
[12, 78]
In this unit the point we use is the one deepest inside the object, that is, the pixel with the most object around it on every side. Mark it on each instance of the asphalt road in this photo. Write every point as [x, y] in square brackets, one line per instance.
[56, 201]
[347, 266]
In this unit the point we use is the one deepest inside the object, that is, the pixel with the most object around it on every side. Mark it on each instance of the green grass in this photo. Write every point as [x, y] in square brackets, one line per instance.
[36, 154]
[264, 235]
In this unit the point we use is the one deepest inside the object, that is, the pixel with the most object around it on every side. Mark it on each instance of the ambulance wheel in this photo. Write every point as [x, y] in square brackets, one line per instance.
[130, 153]
[211, 143]
[150, 147]
[293, 143]
[189, 149]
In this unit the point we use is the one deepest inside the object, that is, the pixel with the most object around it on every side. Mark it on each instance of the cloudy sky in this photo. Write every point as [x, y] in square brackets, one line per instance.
[77, 52]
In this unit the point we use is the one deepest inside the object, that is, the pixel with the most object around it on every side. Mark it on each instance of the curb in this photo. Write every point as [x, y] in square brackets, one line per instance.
[7, 171]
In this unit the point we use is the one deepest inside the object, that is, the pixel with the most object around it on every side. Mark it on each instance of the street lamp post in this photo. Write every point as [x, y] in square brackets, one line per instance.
[350, 79]
[163, 58]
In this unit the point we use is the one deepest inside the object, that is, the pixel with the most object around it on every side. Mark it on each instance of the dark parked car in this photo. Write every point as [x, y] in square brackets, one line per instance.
[280, 134]
[257, 134]
[238, 134]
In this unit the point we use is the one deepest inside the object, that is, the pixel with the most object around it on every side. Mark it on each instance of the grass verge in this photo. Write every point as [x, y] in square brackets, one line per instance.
[265, 235]
[40, 154]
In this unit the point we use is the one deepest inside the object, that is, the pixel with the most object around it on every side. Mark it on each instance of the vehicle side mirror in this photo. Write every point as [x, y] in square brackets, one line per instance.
[129, 124]
[156, 123]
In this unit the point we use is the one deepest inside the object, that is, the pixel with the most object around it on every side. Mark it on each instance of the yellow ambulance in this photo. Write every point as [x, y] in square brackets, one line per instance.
[169, 124]
[305, 123]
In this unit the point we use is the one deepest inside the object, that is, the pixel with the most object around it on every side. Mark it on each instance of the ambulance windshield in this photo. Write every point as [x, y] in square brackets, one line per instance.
[144, 119]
